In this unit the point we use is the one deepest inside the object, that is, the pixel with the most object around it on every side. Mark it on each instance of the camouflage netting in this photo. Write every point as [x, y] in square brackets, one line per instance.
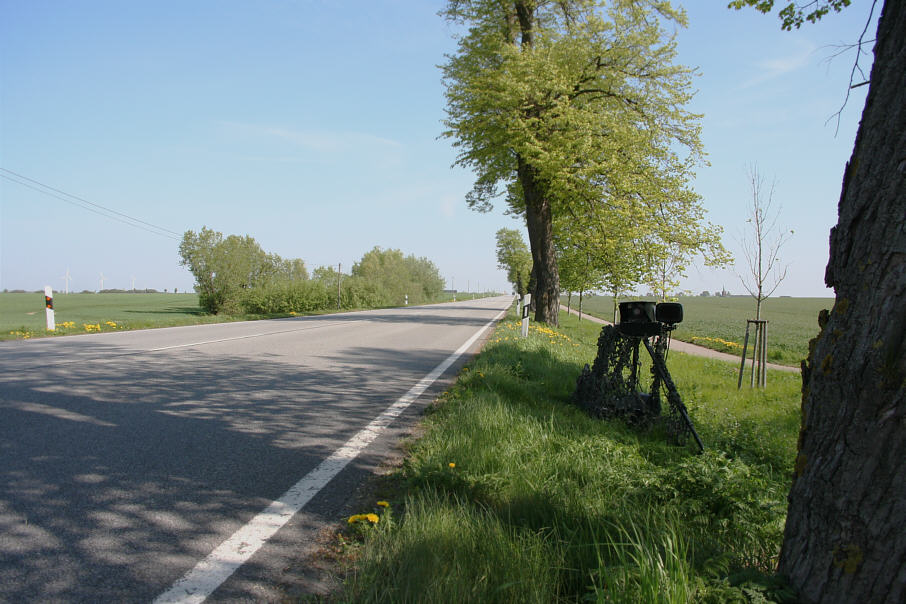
[610, 387]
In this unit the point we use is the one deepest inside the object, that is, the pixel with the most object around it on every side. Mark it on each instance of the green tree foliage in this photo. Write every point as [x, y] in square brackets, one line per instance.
[233, 275]
[574, 109]
[223, 267]
[398, 276]
[226, 267]
[327, 274]
[514, 257]
[294, 270]
[793, 15]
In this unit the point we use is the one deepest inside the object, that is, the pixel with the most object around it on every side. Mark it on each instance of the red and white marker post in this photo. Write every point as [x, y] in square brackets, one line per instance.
[526, 308]
[48, 308]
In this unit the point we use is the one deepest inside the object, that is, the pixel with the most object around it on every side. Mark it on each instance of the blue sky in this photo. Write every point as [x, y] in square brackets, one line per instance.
[313, 126]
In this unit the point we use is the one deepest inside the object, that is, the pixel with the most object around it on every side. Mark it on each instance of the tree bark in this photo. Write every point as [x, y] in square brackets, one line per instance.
[538, 219]
[844, 539]
[545, 282]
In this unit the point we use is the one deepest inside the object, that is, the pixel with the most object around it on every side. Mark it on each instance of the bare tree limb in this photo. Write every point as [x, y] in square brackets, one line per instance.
[856, 67]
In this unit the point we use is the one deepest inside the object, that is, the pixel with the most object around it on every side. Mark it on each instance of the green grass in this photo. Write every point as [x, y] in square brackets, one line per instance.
[720, 322]
[23, 314]
[545, 504]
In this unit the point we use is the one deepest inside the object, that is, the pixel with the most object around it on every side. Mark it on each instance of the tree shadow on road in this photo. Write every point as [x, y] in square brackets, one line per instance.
[117, 478]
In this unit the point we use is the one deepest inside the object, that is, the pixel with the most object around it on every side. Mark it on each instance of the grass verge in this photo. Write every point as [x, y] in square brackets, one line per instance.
[512, 494]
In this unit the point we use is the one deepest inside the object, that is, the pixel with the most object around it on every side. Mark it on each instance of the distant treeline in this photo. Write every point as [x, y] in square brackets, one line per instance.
[234, 275]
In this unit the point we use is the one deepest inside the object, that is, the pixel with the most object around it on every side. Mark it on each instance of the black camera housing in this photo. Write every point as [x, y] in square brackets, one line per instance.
[642, 319]
[670, 313]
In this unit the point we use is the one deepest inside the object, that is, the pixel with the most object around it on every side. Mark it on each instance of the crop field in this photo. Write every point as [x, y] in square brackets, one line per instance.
[720, 322]
[22, 315]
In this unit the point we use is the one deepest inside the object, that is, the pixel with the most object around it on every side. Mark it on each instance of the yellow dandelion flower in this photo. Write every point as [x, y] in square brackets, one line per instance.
[451, 464]
[383, 504]
[372, 518]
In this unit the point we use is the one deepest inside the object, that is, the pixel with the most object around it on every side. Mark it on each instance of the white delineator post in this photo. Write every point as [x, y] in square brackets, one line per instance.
[526, 307]
[48, 308]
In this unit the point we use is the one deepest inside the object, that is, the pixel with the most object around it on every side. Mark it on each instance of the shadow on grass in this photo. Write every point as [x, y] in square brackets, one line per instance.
[175, 310]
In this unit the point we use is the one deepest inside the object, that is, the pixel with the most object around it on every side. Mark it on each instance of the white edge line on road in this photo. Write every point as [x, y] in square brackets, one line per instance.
[213, 570]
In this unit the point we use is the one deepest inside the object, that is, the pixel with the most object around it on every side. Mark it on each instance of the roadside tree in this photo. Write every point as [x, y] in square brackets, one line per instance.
[514, 257]
[226, 267]
[396, 276]
[762, 244]
[222, 267]
[567, 105]
[844, 539]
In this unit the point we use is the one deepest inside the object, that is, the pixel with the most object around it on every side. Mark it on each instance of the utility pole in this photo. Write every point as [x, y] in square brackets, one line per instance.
[339, 277]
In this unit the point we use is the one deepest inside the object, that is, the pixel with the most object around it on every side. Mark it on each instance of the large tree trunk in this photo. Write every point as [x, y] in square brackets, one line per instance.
[546, 295]
[845, 539]
[538, 219]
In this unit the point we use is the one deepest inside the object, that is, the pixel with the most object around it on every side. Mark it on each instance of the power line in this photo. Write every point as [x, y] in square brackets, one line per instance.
[80, 202]
[138, 226]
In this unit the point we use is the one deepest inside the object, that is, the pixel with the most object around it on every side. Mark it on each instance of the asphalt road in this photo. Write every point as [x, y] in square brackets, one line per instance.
[127, 458]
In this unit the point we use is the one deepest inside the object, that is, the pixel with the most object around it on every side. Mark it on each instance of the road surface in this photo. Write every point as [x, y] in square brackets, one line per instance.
[149, 464]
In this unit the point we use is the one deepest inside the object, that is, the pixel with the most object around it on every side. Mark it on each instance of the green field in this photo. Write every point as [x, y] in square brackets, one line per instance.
[720, 322]
[22, 315]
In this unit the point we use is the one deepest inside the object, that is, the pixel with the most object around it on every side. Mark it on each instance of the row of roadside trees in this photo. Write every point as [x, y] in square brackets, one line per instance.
[234, 275]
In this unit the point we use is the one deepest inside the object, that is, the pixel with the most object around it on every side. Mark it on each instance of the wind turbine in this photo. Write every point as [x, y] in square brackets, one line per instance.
[67, 278]
[133, 283]
[102, 282]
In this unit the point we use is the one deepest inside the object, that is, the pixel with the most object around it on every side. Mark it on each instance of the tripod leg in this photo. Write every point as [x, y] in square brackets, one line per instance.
[634, 378]
[672, 393]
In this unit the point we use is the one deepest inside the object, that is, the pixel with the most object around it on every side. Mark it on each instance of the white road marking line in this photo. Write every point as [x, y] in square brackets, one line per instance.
[213, 570]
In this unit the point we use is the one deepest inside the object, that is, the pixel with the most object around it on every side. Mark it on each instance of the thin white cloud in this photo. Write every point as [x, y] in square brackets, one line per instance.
[320, 141]
[770, 69]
